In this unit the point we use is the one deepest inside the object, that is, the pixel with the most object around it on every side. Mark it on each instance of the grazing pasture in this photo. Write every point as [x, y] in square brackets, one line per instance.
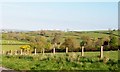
[10, 47]
[13, 42]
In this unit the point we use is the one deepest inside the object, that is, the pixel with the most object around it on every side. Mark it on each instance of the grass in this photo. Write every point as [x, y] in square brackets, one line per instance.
[13, 42]
[60, 61]
[10, 47]
[92, 35]
[57, 62]
[110, 54]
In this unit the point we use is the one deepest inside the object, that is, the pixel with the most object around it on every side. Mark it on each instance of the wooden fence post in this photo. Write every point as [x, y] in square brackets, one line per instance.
[35, 51]
[43, 51]
[21, 52]
[53, 50]
[82, 51]
[15, 52]
[66, 49]
[101, 52]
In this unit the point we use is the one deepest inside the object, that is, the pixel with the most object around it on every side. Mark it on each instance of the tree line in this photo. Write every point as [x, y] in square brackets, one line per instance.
[43, 43]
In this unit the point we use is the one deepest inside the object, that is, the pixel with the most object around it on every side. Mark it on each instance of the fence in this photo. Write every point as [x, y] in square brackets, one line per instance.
[27, 52]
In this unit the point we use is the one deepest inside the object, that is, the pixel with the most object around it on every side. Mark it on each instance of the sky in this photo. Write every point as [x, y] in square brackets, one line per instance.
[78, 16]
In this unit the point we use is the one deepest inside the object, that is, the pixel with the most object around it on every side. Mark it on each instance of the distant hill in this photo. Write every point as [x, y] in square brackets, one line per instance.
[13, 30]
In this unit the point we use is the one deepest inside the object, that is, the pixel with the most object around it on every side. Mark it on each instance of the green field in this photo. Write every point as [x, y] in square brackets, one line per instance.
[12, 42]
[10, 47]
[110, 54]
[93, 35]
[61, 61]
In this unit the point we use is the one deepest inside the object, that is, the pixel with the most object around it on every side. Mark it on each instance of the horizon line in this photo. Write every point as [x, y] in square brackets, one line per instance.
[58, 29]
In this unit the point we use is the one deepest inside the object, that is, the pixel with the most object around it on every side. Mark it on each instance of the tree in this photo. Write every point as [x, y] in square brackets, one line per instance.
[113, 41]
[32, 39]
[40, 44]
[71, 43]
[87, 40]
[99, 42]
[83, 43]
[4, 36]
[56, 39]
[42, 33]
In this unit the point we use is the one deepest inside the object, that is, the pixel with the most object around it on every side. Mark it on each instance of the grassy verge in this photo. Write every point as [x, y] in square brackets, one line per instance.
[59, 61]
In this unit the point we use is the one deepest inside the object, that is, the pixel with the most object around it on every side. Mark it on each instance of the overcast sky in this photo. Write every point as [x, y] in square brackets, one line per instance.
[60, 15]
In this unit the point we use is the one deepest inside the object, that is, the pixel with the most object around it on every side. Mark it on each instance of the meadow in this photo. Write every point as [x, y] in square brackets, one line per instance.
[10, 47]
[13, 42]
[60, 61]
